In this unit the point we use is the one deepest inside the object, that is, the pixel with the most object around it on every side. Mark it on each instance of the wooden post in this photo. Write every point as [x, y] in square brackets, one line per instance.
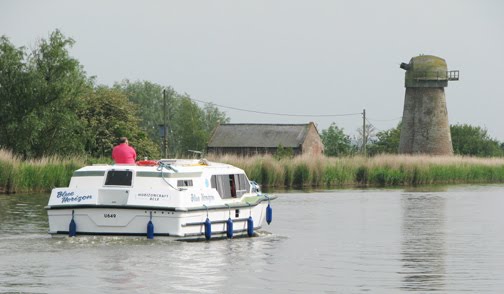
[364, 139]
[165, 141]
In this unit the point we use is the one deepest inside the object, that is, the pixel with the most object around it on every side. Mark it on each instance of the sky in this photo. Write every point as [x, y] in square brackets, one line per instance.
[289, 57]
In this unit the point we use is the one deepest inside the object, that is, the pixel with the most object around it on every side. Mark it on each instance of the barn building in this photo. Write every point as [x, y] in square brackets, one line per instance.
[252, 139]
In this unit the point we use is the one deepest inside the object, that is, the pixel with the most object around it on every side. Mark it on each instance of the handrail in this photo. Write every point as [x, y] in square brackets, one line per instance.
[452, 75]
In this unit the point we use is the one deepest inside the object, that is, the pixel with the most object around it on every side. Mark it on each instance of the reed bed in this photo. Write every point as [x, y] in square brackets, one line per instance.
[44, 174]
[39, 175]
[380, 171]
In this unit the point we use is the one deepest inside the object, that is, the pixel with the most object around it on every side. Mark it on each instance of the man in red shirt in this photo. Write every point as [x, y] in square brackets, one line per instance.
[123, 153]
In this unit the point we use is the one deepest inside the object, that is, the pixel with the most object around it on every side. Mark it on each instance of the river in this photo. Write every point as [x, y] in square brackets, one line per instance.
[441, 239]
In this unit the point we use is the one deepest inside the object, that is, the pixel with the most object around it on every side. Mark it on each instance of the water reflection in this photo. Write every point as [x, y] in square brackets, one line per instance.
[427, 189]
[22, 211]
[345, 241]
[422, 247]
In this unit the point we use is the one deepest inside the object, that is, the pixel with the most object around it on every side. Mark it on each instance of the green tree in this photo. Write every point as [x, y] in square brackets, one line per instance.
[149, 99]
[188, 125]
[189, 131]
[40, 93]
[283, 152]
[109, 115]
[50, 106]
[473, 140]
[336, 142]
[386, 141]
[213, 117]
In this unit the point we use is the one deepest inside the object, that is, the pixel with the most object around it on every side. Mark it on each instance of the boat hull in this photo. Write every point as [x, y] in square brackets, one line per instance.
[133, 221]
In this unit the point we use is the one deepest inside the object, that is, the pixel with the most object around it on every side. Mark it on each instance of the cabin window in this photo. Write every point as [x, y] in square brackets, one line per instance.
[184, 183]
[119, 178]
[244, 185]
[230, 186]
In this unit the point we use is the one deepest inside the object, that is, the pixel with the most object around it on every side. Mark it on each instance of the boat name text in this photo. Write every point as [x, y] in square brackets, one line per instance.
[196, 198]
[72, 197]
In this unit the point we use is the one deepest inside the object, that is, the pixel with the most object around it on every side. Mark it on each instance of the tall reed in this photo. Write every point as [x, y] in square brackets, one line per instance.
[381, 170]
[37, 175]
[8, 164]
[43, 174]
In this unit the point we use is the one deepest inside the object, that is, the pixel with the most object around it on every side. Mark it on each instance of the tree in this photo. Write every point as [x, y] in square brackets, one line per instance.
[109, 115]
[386, 141]
[475, 141]
[336, 142]
[49, 106]
[189, 127]
[213, 117]
[370, 136]
[283, 152]
[149, 99]
[39, 93]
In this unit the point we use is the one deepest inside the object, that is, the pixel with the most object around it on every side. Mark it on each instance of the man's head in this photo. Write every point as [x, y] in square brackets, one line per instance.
[123, 140]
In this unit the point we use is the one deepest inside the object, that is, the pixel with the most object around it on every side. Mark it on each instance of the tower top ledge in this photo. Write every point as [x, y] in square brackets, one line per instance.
[428, 71]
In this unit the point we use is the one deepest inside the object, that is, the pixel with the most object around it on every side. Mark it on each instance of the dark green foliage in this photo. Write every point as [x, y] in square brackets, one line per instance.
[39, 94]
[336, 142]
[301, 175]
[361, 175]
[188, 126]
[109, 115]
[386, 176]
[148, 97]
[283, 152]
[386, 141]
[50, 107]
[474, 141]
[189, 130]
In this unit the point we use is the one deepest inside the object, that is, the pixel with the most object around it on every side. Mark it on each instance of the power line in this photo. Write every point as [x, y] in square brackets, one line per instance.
[384, 120]
[372, 125]
[278, 114]
[381, 120]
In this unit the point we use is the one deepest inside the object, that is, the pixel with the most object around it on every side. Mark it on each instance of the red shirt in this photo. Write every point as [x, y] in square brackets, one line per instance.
[123, 153]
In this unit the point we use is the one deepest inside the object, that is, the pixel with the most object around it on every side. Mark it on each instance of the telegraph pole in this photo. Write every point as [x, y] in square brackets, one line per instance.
[364, 139]
[165, 141]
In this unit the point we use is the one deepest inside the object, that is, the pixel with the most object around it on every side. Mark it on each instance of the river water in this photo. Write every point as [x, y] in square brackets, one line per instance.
[444, 240]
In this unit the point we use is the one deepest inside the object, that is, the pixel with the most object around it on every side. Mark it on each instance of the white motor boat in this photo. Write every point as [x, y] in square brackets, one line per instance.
[192, 199]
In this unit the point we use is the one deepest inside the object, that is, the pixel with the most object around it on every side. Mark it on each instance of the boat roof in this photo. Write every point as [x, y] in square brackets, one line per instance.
[180, 165]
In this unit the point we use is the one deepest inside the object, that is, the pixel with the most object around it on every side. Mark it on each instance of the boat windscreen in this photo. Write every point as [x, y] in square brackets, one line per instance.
[119, 178]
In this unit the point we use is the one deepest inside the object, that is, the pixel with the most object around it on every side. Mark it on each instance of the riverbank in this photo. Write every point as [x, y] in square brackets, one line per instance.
[42, 175]
[378, 171]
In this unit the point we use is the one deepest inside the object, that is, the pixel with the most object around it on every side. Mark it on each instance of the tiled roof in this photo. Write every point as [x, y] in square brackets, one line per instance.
[259, 135]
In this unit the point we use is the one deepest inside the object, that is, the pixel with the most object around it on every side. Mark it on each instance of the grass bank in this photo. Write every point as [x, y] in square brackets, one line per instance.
[41, 175]
[378, 171]
[44, 174]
